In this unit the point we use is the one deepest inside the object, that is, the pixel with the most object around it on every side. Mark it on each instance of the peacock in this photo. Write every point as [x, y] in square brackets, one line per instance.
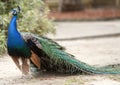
[28, 50]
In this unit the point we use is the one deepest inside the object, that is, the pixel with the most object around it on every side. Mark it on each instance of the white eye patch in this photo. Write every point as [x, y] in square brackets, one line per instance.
[15, 12]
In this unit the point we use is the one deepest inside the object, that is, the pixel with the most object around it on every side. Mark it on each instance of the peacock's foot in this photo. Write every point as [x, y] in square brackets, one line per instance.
[28, 76]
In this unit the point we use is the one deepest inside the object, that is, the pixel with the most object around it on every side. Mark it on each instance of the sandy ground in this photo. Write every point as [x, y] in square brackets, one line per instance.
[97, 52]
[67, 30]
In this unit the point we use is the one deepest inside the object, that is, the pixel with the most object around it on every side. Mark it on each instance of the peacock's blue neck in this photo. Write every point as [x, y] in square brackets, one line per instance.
[13, 27]
[14, 37]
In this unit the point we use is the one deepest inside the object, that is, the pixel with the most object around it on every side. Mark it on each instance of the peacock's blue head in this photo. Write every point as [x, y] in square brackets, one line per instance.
[15, 11]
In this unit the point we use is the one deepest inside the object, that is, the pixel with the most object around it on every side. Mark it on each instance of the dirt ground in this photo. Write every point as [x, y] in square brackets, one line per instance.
[98, 52]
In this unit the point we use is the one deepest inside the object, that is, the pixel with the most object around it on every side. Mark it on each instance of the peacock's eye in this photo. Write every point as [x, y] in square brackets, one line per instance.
[14, 12]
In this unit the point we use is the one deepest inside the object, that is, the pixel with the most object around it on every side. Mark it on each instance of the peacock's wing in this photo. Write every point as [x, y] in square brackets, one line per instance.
[54, 58]
[31, 43]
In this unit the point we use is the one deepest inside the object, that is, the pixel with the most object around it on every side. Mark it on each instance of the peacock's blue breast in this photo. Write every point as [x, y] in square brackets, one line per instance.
[17, 46]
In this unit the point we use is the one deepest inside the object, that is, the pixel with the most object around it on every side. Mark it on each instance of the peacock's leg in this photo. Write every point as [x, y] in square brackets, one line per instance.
[26, 67]
[16, 61]
[20, 63]
[28, 61]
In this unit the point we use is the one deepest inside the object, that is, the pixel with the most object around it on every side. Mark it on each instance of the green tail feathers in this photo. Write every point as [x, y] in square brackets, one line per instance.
[66, 63]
